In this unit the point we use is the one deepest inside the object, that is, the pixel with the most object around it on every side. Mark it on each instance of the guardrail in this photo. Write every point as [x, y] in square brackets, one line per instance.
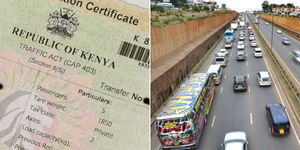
[290, 80]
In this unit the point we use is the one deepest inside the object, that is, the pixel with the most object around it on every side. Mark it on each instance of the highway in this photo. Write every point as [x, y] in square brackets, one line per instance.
[284, 51]
[241, 111]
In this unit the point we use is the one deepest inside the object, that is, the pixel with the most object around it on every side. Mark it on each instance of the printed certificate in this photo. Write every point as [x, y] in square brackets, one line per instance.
[74, 74]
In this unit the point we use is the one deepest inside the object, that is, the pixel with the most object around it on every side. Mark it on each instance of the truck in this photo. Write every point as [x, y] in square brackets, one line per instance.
[234, 25]
[242, 23]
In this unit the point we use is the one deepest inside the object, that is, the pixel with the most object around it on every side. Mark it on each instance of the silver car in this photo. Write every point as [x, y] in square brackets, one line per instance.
[257, 53]
[263, 78]
[253, 44]
[236, 140]
[296, 55]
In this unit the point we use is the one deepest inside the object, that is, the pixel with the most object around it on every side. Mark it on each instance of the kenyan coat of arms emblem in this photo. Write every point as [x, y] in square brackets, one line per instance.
[63, 23]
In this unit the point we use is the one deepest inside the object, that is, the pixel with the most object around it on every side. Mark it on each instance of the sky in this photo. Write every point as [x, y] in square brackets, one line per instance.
[242, 5]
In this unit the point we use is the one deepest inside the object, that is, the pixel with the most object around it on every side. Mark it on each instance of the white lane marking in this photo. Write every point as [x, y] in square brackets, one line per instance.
[213, 122]
[230, 55]
[249, 89]
[247, 63]
[225, 76]
[248, 76]
[251, 119]
[221, 90]
[275, 83]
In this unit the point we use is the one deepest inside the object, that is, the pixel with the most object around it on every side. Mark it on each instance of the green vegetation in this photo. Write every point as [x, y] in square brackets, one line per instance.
[159, 18]
[268, 7]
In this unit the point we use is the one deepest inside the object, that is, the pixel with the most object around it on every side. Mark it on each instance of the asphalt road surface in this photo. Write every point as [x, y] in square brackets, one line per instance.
[243, 111]
[284, 51]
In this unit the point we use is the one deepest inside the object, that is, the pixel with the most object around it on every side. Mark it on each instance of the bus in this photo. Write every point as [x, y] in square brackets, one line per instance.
[217, 71]
[229, 35]
[181, 121]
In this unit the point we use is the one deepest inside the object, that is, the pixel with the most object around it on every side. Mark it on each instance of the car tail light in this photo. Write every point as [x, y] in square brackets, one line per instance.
[234, 86]
[272, 130]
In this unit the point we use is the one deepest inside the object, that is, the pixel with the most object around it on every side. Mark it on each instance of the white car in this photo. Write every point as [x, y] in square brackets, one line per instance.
[251, 37]
[253, 44]
[236, 140]
[223, 52]
[279, 31]
[228, 44]
[257, 52]
[267, 23]
[263, 78]
[240, 45]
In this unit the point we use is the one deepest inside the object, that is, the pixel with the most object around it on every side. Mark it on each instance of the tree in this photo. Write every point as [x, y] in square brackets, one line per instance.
[178, 3]
[265, 6]
[290, 5]
[271, 6]
[282, 5]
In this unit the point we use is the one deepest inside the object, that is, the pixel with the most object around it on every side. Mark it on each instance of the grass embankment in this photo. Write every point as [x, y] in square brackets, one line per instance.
[159, 18]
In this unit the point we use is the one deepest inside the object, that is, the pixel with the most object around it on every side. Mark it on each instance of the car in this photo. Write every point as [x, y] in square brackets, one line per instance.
[228, 44]
[251, 37]
[267, 23]
[242, 33]
[263, 78]
[278, 31]
[249, 30]
[253, 44]
[223, 52]
[236, 140]
[240, 45]
[256, 22]
[240, 55]
[241, 38]
[296, 55]
[221, 61]
[279, 123]
[257, 52]
[286, 41]
[240, 83]
[249, 27]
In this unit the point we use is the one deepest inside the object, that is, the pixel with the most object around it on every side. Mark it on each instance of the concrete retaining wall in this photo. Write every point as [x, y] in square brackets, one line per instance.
[167, 39]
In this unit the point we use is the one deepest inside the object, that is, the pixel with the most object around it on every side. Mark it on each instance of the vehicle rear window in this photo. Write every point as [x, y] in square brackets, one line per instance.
[279, 115]
[265, 79]
[219, 59]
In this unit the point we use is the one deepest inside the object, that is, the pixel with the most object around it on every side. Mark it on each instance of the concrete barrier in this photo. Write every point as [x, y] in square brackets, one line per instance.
[177, 48]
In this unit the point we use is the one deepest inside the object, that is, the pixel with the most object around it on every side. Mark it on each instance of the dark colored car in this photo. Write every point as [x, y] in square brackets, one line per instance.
[278, 120]
[240, 83]
[286, 41]
[240, 55]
